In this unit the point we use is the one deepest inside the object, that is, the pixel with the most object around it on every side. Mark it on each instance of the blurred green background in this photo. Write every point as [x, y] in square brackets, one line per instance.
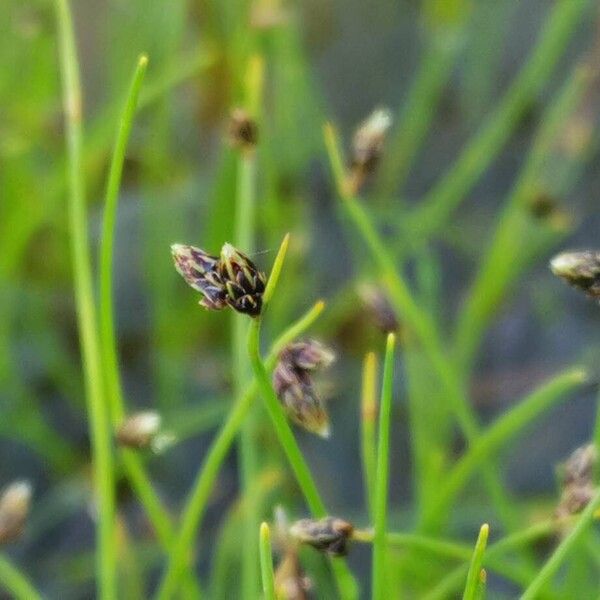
[447, 70]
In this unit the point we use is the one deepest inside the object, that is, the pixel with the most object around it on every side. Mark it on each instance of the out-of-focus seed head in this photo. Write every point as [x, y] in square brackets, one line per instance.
[290, 581]
[580, 269]
[243, 131]
[379, 308]
[574, 500]
[577, 481]
[308, 355]
[293, 384]
[14, 509]
[139, 430]
[231, 279]
[331, 534]
[369, 139]
[579, 467]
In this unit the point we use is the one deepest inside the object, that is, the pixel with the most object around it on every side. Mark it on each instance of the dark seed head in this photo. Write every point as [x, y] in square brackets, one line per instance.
[231, 279]
[243, 131]
[293, 384]
[331, 534]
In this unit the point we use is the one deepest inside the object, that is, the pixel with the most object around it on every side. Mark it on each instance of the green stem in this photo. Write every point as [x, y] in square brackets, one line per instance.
[368, 435]
[133, 466]
[500, 266]
[498, 434]
[86, 310]
[507, 545]
[379, 565]
[202, 489]
[266, 563]
[248, 450]
[417, 112]
[107, 319]
[14, 582]
[418, 320]
[544, 577]
[437, 206]
[474, 572]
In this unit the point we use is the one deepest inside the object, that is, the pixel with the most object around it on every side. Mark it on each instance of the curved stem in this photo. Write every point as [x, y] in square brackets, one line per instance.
[201, 491]
[86, 309]
[379, 565]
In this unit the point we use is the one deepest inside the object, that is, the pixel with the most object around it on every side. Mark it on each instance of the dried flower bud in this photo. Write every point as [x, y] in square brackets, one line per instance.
[293, 384]
[574, 500]
[580, 269]
[379, 307]
[243, 131]
[231, 279]
[139, 430]
[330, 534]
[290, 581]
[369, 138]
[579, 467]
[14, 508]
[577, 481]
[308, 356]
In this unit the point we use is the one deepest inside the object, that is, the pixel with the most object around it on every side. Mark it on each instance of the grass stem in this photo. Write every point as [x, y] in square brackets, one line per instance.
[379, 564]
[266, 563]
[102, 452]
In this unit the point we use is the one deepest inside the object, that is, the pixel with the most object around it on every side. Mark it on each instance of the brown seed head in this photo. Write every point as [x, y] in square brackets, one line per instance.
[293, 384]
[379, 308]
[231, 279]
[580, 269]
[330, 535]
[243, 131]
[139, 430]
[14, 509]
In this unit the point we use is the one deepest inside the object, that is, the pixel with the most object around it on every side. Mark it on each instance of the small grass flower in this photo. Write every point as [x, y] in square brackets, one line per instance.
[379, 308]
[577, 481]
[331, 534]
[367, 146]
[580, 269]
[293, 384]
[14, 509]
[231, 279]
[139, 430]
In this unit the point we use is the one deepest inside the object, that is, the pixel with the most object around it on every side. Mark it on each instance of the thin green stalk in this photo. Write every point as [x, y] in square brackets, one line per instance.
[107, 320]
[473, 574]
[133, 466]
[416, 113]
[444, 549]
[248, 450]
[408, 309]
[438, 204]
[86, 310]
[345, 580]
[266, 563]
[507, 545]
[500, 265]
[368, 416]
[15, 583]
[244, 239]
[203, 486]
[544, 577]
[498, 434]
[379, 563]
